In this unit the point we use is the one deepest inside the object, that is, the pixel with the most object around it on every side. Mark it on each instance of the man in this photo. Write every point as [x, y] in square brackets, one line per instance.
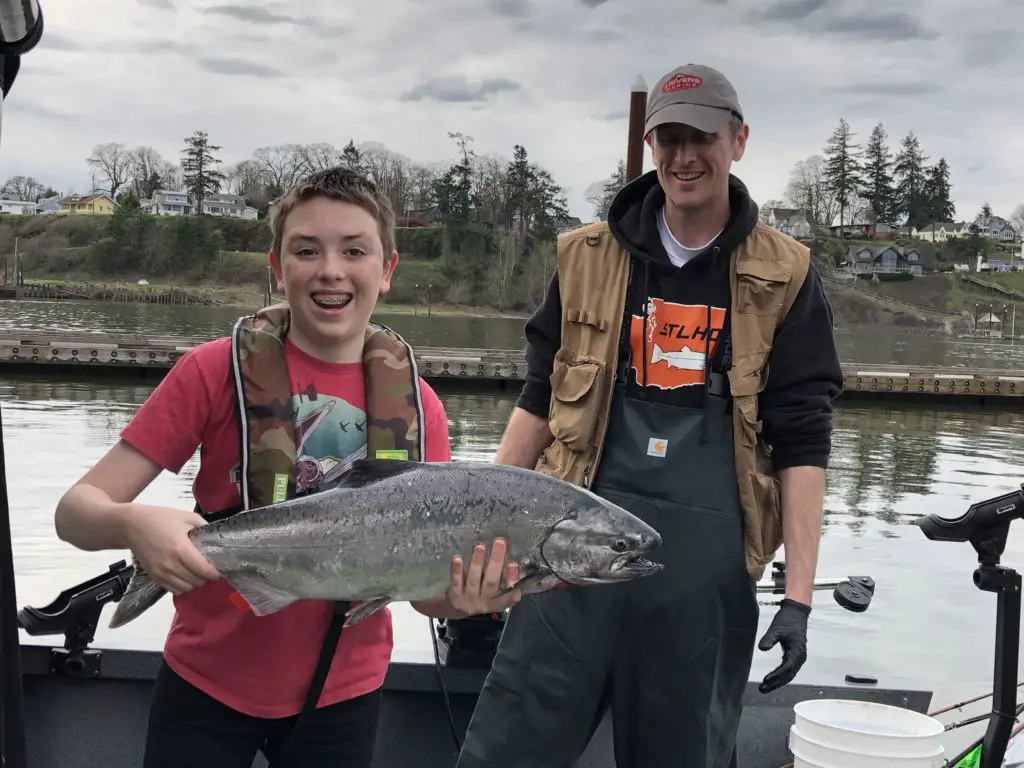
[682, 364]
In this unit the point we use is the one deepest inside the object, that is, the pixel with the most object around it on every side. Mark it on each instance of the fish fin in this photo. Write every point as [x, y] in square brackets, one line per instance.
[141, 594]
[538, 581]
[365, 472]
[262, 598]
[366, 609]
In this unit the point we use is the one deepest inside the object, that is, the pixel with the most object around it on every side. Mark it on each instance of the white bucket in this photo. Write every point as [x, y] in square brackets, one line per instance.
[808, 753]
[858, 734]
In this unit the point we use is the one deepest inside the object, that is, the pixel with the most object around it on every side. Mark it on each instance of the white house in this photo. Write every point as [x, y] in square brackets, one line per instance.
[19, 207]
[168, 203]
[940, 231]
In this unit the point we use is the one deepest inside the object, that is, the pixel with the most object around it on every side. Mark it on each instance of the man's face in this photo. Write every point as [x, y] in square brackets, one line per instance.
[693, 166]
[332, 268]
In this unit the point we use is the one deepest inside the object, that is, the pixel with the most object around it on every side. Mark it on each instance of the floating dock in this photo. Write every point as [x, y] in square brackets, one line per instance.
[154, 355]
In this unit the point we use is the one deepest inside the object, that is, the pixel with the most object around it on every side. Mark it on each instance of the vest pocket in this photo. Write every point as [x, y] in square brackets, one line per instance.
[769, 501]
[761, 286]
[575, 386]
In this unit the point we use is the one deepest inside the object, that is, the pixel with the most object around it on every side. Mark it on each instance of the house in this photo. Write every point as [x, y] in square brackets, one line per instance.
[49, 204]
[940, 231]
[99, 203]
[887, 260]
[794, 222]
[17, 207]
[165, 202]
[890, 232]
[569, 224]
[232, 206]
[852, 229]
[996, 228]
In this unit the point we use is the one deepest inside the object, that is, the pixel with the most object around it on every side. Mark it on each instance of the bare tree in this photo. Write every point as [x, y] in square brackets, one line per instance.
[808, 189]
[113, 164]
[25, 188]
[149, 172]
[1017, 219]
[390, 172]
[280, 164]
[316, 157]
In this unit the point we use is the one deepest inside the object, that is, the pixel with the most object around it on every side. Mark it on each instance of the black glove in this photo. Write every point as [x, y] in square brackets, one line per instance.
[790, 628]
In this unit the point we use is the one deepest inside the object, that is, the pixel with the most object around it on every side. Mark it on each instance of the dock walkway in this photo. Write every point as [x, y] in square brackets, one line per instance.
[84, 352]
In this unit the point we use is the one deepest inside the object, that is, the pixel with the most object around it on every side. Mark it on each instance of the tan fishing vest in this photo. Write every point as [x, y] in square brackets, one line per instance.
[766, 273]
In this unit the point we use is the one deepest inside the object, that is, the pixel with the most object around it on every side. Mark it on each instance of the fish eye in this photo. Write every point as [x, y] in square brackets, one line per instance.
[620, 545]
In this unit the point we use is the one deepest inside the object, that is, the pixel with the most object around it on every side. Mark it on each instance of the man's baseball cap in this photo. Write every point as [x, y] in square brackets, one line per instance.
[694, 95]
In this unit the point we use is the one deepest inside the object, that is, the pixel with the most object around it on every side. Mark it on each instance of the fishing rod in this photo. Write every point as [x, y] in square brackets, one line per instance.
[21, 27]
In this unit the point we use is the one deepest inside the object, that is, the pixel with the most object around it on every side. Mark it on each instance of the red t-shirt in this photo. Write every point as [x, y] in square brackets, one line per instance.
[262, 665]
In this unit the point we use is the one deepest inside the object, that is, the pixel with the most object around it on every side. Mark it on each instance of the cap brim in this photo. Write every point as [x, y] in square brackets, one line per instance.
[707, 119]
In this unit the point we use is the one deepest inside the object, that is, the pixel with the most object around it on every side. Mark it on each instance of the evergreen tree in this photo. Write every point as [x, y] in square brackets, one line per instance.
[937, 190]
[878, 178]
[910, 173]
[842, 170]
[199, 171]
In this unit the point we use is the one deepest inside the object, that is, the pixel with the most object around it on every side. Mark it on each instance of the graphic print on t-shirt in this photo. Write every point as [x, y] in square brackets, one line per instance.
[678, 338]
[330, 434]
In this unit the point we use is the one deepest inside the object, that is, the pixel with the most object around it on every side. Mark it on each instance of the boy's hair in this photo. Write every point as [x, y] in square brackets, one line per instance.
[337, 183]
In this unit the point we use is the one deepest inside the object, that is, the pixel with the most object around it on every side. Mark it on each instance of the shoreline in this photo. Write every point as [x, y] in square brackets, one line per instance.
[242, 297]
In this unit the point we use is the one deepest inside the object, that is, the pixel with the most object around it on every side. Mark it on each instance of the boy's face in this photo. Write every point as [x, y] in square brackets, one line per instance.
[332, 268]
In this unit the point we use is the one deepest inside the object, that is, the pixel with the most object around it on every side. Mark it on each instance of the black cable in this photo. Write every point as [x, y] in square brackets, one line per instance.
[444, 688]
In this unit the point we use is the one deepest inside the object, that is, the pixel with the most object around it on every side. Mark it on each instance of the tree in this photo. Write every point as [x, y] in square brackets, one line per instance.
[842, 169]
[1017, 219]
[601, 193]
[878, 188]
[911, 201]
[198, 164]
[986, 211]
[453, 190]
[937, 191]
[148, 173]
[25, 188]
[809, 190]
[352, 157]
[112, 163]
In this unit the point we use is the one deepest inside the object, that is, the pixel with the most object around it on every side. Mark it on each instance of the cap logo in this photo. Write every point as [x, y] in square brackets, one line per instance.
[681, 83]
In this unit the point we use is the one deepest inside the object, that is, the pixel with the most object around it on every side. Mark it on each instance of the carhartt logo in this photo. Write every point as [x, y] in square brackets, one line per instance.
[657, 447]
[681, 83]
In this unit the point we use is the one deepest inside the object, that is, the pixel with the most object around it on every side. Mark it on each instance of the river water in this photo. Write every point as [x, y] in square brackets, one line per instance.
[927, 627]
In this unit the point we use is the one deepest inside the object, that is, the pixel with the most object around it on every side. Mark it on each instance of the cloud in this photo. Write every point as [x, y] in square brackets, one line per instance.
[458, 89]
[220, 65]
[552, 75]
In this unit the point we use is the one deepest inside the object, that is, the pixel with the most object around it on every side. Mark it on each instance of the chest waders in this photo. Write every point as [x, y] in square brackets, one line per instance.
[669, 654]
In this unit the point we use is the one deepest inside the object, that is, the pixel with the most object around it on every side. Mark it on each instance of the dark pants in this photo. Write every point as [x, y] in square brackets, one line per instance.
[189, 728]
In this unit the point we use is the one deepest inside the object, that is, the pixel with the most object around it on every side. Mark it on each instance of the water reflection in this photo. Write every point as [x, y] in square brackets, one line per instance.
[928, 626]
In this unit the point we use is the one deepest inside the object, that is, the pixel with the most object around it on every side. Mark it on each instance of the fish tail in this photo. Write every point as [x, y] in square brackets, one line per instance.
[141, 594]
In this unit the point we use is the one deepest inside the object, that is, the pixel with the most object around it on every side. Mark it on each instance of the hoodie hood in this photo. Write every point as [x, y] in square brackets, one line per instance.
[632, 218]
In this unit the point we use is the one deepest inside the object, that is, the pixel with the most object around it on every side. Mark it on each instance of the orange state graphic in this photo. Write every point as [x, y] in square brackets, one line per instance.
[677, 340]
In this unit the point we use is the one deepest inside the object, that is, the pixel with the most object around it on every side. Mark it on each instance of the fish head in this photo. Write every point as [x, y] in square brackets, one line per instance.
[599, 542]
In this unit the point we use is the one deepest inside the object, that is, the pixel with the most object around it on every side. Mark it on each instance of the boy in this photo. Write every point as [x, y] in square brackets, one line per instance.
[284, 404]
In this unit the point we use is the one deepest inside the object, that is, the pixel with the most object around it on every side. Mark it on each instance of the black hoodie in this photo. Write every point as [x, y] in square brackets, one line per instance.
[678, 305]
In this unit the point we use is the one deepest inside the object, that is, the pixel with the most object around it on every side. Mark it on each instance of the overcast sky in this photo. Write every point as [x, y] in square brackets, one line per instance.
[553, 75]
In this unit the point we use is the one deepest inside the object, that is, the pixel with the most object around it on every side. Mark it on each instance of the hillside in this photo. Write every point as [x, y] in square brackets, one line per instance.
[225, 258]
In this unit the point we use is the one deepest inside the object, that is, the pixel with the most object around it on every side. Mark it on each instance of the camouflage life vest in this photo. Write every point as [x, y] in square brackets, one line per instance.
[394, 412]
